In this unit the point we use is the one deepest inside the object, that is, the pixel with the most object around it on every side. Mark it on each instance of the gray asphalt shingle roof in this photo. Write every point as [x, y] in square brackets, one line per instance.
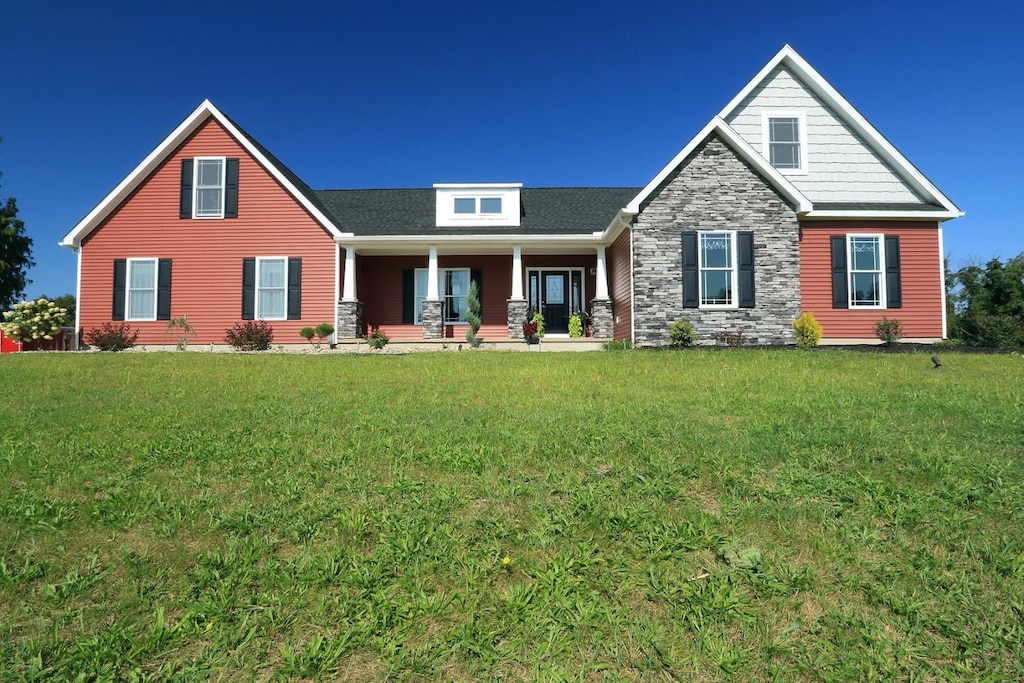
[555, 210]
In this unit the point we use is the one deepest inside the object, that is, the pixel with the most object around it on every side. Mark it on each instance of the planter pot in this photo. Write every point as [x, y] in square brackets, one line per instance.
[532, 340]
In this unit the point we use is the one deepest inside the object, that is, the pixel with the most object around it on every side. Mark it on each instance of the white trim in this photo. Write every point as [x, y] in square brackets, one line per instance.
[741, 147]
[153, 160]
[476, 186]
[256, 289]
[891, 215]
[349, 292]
[632, 296]
[788, 58]
[195, 187]
[734, 270]
[432, 270]
[78, 300]
[517, 273]
[882, 294]
[128, 287]
[801, 119]
[601, 281]
[337, 284]
[570, 269]
[942, 280]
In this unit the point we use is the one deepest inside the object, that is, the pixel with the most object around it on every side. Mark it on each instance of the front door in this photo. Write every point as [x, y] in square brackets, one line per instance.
[556, 294]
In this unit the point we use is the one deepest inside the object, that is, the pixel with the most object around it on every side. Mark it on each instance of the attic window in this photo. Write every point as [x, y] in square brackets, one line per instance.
[785, 141]
[470, 206]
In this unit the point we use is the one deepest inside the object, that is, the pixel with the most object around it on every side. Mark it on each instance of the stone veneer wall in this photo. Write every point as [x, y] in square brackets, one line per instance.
[518, 309]
[350, 320]
[433, 319]
[715, 189]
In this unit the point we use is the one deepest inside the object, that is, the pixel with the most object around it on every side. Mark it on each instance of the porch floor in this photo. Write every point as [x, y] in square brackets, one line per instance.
[548, 344]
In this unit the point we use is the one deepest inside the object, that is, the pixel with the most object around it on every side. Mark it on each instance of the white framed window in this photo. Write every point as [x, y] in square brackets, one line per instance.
[477, 206]
[453, 287]
[717, 273]
[272, 288]
[866, 258]
[140, 292]
[208, 187]
[785, 141]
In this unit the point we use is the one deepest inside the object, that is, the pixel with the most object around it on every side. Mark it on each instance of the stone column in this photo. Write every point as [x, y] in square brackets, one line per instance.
[601, 318]
[350, 320]
[517, 311]
[433, 323]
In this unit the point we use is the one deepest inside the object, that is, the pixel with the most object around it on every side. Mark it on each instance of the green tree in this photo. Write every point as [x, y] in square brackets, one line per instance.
[988, 303]
[15, 254]
[68, 303]
[473, 313]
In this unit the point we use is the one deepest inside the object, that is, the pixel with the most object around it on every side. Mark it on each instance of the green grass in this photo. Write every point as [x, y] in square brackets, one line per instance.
[700, 515]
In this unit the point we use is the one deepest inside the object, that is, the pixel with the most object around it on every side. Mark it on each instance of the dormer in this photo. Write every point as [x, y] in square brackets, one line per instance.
[465, 204]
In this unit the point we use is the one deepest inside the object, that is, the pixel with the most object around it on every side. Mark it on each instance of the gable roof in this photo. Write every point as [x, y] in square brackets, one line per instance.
[291, 183]
[718, 126]
[545, 210]
[789, 59]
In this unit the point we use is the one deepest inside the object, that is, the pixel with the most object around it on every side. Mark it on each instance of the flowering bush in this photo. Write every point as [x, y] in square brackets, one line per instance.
[39, 319]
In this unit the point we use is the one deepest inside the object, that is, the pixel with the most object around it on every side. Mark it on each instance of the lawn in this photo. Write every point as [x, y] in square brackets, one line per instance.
[701, 515]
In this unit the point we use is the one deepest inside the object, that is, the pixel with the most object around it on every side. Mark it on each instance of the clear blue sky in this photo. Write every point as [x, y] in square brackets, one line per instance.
[406, 94]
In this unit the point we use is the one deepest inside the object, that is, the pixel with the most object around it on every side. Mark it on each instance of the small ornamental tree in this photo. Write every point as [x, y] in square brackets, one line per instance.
[31, 320]
[473, 313]
[808, 331]
[889, 331]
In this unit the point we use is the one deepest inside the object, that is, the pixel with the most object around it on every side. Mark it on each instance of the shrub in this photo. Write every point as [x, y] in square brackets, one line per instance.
[529, 329]
[324, 330]
[39, 319]
[538, 320]
[186, 328]
[889, 331]
[377, 339]
[251, 335]
[808, 331]
[473, 314]
[681, 334]
[112, 336]
[575, 326]
[307, 333]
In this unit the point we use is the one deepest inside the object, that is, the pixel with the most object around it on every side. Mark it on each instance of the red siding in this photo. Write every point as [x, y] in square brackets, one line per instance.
[207, 255]
[920, 277]
[619, 276]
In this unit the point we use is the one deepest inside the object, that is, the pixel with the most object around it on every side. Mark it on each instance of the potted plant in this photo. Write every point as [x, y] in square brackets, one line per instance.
[533, 328]
[575, 326]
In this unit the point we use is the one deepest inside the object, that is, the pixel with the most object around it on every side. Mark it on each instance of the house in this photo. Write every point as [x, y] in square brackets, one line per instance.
[788, 200]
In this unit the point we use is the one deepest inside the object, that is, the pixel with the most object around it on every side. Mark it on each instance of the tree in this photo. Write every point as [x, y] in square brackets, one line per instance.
[15, 254]
[68, 303]
[473, 313]
[988, 303]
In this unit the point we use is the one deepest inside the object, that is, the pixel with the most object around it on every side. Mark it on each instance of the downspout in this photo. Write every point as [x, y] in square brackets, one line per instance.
[632, 298]
[942, 279]
[337, 278]
[78, 301]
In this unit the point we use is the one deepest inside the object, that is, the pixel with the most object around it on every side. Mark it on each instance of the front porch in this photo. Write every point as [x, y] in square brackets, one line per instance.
[420, 294]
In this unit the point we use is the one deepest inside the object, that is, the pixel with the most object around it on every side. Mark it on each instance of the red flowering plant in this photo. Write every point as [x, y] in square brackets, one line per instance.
[529, 329]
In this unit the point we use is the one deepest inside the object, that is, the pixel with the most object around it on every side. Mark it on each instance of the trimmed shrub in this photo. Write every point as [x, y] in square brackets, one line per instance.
[889, 331]
[575, 326]
[251, 335]
[112, 336]
[808, 331]
[681, 334]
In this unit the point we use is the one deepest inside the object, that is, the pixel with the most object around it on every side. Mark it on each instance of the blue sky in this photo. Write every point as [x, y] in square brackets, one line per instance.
[406, 94]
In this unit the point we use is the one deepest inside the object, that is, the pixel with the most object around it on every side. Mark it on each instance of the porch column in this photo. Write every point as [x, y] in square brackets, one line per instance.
[432, 317]
[517, 302]
[601, 306]
[602, 275]
[349, 313]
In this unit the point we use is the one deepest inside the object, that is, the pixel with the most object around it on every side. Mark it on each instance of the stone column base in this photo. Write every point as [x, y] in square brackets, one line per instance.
[517, 312]
[433, 322]
[350, 320]
[601, 319]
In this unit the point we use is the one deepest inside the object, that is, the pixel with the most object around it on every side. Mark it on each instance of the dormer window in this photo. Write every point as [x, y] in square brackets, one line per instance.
[785, 141]
[471, 203]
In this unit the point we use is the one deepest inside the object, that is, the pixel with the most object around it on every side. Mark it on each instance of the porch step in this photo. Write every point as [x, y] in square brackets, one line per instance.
[498, 344]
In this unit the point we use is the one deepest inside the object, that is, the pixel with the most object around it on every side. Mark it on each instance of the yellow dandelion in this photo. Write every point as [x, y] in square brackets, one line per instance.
[506, 560]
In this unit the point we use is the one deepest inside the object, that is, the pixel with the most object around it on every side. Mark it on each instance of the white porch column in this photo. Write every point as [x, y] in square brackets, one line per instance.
[432, 276]
[517, 272]
[349, 292]
[602, 275]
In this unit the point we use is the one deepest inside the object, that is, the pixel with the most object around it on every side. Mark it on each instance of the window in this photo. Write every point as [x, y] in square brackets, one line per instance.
[785, 141]
[209, 188]
[141, 289]
[271, 288]
[866, 269]
[452, 286]
[717, 269]
[468, 206]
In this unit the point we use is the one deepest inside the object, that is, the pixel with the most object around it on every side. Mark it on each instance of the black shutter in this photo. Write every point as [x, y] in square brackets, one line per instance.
[294, 289]
[248, 289]
[477, 275]
[840, 283]
[163, 290]
[893, 291]
[408, 296]
[691, 295]
[745, 248]
[231, 189]
[120, 278]
[186, 189]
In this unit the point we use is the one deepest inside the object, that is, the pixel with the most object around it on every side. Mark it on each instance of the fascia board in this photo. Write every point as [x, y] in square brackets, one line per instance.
[792, 60]
[894, 215]
[741, 146]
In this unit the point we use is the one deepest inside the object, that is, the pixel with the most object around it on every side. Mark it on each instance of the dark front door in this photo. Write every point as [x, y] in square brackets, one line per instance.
[555, 300]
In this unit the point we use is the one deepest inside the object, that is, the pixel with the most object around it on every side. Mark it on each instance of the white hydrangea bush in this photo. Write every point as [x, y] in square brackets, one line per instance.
[29, 320]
